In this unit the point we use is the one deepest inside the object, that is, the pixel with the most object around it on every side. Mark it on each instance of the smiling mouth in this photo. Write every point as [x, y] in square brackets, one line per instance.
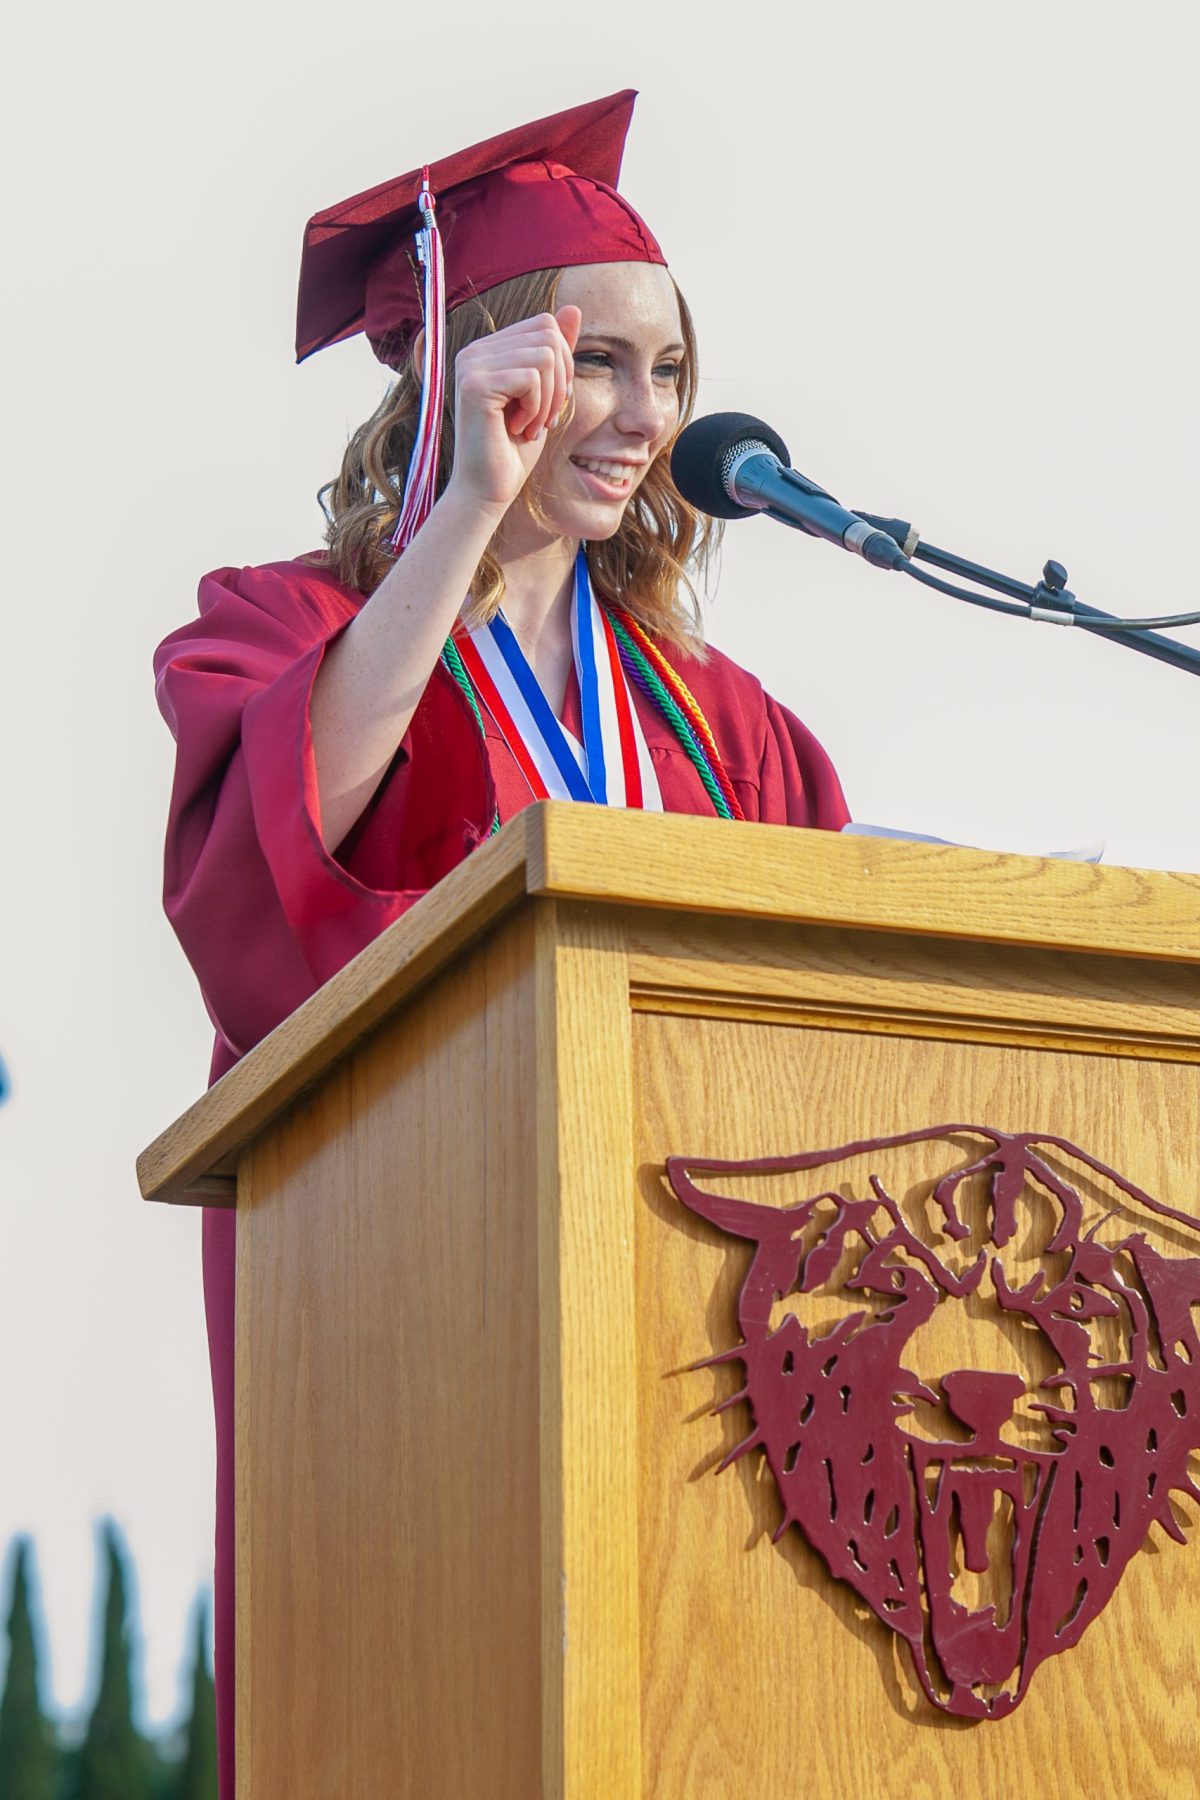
[615, 475]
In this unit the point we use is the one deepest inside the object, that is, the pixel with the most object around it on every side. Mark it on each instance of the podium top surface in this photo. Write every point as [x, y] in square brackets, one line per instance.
[560, 851]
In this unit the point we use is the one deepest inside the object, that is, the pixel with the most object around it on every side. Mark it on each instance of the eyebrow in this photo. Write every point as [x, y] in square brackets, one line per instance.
[621, 343]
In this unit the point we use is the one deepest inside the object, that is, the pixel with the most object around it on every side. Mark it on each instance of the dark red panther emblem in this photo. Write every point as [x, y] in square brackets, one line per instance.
[985, 1514]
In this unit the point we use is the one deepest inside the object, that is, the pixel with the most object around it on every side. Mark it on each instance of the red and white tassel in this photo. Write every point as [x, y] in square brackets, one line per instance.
[420, 484]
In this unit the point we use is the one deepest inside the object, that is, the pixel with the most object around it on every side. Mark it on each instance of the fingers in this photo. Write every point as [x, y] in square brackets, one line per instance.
[559, 385]
[569, 320]
[540, 349]
[527, 368]
[570, 323]
[510, 389]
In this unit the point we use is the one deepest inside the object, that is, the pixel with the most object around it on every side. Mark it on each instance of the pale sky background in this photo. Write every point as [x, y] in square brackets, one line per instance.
[946, 249]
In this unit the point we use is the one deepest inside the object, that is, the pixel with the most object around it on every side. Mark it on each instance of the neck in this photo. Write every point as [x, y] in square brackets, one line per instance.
[539, 581]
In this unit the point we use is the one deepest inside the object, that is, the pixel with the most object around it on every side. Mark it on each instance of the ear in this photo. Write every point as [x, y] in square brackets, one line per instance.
[741, 1218]
[418, 352]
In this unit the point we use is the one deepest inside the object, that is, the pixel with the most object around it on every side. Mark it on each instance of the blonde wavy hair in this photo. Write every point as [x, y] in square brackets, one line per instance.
[646, 565]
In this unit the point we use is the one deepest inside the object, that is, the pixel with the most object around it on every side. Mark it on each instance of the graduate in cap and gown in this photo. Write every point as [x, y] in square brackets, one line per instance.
[503, 611]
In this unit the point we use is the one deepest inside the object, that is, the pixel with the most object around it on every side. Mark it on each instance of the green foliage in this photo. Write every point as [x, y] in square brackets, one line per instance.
[114, 1761]
[198, 1773]
[28, 1754]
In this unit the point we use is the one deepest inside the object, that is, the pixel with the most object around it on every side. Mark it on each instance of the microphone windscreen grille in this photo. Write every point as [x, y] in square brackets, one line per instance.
[702, 453]
[732, 454]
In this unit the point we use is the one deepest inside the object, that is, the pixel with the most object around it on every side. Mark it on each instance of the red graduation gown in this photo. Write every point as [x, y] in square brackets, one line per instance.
[265, 914]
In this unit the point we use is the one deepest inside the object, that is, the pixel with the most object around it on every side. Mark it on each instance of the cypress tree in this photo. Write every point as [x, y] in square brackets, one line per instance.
[28, 1757]
[198, 1773]
[114, 1762]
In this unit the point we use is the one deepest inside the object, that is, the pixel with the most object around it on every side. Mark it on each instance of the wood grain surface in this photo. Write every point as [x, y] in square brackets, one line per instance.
[695, 866]
[877, 884]
[482, 1549]
[204, 1141]
[767, 1679]
[915, 986]
[389, 1537]
[590, 1650]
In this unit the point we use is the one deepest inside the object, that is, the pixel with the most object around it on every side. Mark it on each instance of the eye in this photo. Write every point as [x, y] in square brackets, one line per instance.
[602, 359]
[1077, 1301]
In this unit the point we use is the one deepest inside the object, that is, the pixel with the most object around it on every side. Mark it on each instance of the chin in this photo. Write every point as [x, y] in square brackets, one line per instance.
[591, 524]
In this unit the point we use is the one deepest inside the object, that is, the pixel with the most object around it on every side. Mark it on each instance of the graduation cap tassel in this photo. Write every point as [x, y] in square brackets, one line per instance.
[420, 484]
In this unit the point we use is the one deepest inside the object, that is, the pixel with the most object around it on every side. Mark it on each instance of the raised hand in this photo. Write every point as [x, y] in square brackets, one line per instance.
[509, 389]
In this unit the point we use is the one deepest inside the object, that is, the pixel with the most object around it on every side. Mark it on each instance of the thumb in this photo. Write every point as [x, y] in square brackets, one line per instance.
[570, 323]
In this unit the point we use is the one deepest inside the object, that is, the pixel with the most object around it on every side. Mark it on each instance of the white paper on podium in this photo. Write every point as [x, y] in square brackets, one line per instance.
[1090, 853]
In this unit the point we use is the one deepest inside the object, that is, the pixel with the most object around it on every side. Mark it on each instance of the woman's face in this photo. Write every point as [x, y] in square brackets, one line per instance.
[627, 375]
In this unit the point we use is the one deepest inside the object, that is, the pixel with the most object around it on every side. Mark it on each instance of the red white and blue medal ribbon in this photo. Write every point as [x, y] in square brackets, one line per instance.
[612, 766]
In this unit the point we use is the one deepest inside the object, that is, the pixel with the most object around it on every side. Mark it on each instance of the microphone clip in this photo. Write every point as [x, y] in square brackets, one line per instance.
[1053, 602]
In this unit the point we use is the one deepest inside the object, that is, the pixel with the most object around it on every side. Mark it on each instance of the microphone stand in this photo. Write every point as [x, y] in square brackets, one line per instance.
[1050, 602]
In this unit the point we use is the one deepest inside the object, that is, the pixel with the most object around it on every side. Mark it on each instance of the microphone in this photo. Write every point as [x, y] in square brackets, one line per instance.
[732, 466]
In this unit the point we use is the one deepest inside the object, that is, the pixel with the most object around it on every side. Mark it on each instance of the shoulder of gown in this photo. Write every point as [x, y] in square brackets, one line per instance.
[265, 912]
[781, 773]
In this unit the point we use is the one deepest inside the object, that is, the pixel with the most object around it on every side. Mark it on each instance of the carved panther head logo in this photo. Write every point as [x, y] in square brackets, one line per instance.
[987, 1513]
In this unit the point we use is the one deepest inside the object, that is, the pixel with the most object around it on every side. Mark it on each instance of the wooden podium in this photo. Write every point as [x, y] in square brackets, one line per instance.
[483, 1549]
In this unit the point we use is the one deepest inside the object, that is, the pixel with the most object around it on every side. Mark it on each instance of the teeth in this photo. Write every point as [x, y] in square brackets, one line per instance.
[620, 474]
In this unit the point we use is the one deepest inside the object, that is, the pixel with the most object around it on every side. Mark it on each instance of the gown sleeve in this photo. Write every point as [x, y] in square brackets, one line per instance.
[264, 912]
[798, 784]
[779, 771]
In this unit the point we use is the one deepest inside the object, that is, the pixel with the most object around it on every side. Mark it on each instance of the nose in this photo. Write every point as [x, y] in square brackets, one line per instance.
[982, 1398]
[645, 410]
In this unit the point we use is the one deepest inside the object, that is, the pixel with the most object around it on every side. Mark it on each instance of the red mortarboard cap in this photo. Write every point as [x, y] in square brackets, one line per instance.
[540, 197]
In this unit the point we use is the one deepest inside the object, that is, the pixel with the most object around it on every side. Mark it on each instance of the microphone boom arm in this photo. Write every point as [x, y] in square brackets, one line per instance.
[1050, 602]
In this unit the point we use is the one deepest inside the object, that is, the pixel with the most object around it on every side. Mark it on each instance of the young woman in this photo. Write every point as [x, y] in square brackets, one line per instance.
[502, 612]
